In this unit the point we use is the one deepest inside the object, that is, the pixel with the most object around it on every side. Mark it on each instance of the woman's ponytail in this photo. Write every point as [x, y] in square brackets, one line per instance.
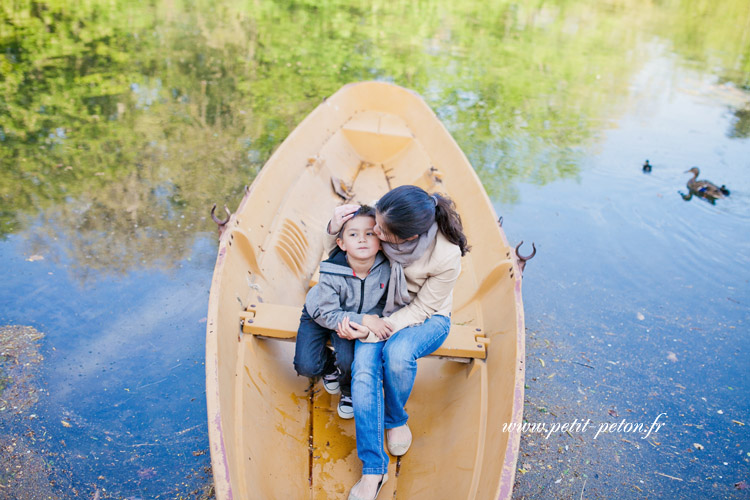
[449, 222]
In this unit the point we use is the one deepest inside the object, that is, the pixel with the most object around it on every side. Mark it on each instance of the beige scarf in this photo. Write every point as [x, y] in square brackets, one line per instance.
[402, 255]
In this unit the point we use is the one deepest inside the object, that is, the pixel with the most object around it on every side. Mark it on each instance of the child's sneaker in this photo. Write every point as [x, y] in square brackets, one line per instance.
[346, 410]
[331, 382]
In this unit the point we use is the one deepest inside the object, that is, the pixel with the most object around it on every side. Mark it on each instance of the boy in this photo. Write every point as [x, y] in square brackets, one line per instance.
[353, 282]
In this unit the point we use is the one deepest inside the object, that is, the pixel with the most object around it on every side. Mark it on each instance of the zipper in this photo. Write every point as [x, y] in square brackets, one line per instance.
[362, 289]
[361, 296]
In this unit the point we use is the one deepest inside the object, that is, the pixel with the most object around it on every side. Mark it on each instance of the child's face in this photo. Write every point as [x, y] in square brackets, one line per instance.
[358, 239]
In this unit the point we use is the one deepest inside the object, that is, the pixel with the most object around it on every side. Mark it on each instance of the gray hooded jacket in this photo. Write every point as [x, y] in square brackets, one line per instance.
[340, 293]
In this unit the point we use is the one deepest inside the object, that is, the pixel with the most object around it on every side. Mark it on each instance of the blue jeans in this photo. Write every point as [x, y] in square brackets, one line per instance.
[383, 376]
[312, 358]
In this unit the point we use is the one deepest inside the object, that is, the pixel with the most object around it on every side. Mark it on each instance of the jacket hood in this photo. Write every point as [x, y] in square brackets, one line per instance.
[337, 264]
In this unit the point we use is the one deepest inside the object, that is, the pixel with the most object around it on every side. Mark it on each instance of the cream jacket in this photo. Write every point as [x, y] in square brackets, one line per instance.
[430, 281]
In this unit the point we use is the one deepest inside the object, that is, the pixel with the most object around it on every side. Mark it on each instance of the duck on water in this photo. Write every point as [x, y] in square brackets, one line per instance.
[703, 188]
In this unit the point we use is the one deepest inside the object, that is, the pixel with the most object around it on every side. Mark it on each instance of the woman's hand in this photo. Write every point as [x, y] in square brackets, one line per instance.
[350, 330]
[378, 326]
[341, 214]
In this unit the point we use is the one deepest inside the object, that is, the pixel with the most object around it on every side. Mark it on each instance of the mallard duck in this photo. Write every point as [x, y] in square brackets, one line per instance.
[647, 167]
[704, 188]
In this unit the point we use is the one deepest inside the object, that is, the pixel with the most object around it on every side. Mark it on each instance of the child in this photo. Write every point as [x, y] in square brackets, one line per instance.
[353, 282]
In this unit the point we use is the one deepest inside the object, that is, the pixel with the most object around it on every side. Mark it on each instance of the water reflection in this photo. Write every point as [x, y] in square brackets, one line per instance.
[118, 133]
[741, 126]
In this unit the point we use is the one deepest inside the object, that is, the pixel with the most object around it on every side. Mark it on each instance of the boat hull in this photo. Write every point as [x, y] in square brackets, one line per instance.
[272, 434]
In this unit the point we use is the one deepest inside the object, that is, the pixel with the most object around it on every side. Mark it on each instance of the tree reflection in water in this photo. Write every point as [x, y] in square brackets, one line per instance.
[122, 124]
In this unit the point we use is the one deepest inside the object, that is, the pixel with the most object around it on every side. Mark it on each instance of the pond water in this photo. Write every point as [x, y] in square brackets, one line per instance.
[121, 124]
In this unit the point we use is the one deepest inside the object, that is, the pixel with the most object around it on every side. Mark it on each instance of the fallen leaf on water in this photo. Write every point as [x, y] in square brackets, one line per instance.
[148, 473]
[613, 413]
[697, 446]
[671, 356]
[737, 422]
[65, 424]
[640, 316]
[34, 258]
[742, 485]
[541, 361]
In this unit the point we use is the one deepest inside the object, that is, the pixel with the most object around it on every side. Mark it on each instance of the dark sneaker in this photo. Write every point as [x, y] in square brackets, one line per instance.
[331, 382]
[346, 410]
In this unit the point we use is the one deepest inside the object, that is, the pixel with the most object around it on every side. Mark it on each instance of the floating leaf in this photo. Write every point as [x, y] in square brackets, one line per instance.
[640, 316]
[742, 485]
[541, 361]
[148, 473]
[35, 258]
[697, 446]
[613, 413]
[65, 424]
[671, 356]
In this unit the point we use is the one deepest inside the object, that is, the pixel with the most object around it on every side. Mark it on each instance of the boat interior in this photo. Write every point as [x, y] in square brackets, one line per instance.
[280, 434]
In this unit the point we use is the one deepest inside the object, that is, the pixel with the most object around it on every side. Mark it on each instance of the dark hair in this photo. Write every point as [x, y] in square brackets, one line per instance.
[364, 210]
[409, 210]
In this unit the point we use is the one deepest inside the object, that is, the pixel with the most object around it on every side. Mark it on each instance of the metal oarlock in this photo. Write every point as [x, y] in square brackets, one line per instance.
[221, 223]
[521, 259]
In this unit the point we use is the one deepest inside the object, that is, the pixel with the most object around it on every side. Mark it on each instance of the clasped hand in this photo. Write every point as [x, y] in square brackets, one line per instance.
[347, 329]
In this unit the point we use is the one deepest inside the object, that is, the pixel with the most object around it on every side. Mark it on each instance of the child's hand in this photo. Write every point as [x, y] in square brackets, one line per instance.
[341, 214]
[350, 330]
[378, 326]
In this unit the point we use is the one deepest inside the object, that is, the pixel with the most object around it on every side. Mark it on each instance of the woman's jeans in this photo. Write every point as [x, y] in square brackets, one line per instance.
[383, 375]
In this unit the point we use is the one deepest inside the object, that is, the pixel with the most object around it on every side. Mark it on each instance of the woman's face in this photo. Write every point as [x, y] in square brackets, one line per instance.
[382, 234]
[386, 236]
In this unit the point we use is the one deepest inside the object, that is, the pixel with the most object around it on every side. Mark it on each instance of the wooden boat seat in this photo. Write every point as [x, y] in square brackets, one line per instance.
[276, 321]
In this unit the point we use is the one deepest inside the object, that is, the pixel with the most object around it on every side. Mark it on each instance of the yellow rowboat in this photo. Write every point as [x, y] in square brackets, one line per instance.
[272, 435]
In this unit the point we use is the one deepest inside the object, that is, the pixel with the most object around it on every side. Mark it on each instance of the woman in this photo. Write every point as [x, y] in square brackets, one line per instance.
[423, 238]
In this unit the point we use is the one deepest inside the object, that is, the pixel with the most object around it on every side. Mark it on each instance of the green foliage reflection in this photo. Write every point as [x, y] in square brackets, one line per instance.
[122, 122]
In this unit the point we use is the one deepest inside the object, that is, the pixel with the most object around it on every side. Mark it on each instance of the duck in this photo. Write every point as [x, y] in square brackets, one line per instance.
[647, 167]
[705, 188]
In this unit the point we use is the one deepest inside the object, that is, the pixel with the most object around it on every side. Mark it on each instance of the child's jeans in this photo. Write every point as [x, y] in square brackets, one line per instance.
[312, 358]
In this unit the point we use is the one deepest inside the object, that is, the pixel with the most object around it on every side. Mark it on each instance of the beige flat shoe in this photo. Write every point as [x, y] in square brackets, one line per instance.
[399, 448]
[383, 479]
